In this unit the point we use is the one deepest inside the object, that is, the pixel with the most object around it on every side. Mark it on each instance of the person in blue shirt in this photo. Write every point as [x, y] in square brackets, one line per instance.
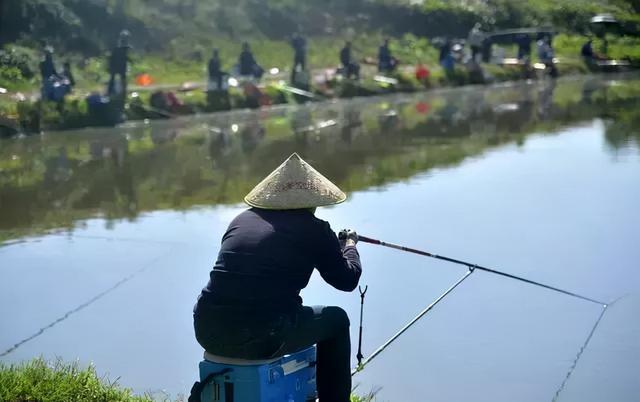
[251, 307]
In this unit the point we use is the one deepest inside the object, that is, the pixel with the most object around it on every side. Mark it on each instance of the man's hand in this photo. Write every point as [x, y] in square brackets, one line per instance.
[347, 237]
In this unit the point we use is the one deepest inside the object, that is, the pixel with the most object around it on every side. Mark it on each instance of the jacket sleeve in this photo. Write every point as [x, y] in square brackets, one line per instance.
[339, 268]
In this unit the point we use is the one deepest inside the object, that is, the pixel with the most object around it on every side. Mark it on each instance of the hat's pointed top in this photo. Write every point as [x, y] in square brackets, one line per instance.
[294, 185]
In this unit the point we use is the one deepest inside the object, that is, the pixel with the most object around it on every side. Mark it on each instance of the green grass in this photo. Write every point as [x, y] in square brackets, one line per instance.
[39, 380]
[188, 63]
[366, 398]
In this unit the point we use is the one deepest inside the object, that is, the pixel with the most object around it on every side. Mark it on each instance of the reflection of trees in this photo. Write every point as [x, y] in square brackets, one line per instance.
[624, 129]
[56, 180]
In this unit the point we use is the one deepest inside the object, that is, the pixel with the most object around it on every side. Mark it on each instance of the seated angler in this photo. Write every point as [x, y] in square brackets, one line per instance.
[251, 308]
[386, 62]
[247, 64]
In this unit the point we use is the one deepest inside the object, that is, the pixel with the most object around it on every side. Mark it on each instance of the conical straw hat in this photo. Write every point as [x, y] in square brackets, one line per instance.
[294, 185]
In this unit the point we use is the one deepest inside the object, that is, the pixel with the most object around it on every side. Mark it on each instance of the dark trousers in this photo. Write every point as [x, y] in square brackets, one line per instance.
[523, 52]
[112, 83]
[475, 50]
[387, 66]
[352, 70]
[298, 60]
[259, 335]
[218, 79]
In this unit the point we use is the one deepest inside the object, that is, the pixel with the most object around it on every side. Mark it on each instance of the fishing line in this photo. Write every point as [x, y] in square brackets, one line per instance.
[85, 304]
[471, 268]
[121, 239]
[582, 349]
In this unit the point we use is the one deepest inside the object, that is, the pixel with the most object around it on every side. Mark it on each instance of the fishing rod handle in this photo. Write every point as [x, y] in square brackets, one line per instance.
[366, 239]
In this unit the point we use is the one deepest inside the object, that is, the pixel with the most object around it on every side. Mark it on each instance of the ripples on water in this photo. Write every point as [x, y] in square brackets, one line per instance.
[482, 173]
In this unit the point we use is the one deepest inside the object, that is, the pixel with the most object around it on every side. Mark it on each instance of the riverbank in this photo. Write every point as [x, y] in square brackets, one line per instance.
[21, 113]
[41, 381]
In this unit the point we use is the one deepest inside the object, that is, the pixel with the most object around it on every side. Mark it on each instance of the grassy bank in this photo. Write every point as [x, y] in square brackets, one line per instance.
[42, 381]
[188, 63]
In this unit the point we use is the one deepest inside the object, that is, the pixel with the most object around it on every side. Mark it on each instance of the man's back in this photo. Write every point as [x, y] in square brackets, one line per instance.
[267, 257]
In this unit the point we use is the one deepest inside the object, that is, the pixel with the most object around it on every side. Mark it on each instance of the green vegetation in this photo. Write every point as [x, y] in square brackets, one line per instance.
[42, 381]
[173, 38]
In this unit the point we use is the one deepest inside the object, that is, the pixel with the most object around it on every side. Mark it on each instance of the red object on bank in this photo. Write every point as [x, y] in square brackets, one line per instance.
[422, 72]
[423, 107]
[144, 80]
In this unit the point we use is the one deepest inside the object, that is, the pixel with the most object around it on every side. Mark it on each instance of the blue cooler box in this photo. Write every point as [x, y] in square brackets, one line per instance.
[291, 378]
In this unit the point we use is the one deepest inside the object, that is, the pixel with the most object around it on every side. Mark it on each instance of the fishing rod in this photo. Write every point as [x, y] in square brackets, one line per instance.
[478, 267]
[470, 269]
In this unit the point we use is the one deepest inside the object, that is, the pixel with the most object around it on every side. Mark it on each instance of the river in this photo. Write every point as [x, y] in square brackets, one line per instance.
[108, 236]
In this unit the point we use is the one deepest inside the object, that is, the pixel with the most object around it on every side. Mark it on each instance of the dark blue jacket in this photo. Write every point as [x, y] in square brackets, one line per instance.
[247, 63]
[345, 56]
[268, 256]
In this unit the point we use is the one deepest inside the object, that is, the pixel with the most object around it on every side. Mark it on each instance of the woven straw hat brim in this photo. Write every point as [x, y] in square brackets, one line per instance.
[294, 185]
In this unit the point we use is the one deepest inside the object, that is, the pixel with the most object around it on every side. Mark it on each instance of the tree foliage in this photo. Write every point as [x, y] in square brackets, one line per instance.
[92, 26]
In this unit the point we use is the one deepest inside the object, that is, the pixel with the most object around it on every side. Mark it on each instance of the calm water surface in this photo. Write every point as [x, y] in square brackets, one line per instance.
[108, 236]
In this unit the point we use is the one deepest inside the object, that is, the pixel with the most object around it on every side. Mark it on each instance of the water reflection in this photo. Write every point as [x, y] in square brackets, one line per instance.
[57, 179]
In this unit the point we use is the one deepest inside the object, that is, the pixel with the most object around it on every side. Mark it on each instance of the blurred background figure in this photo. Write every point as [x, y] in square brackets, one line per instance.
[247, 64]
[119, 64]
[524, 46]
[54, 85]
[475, 39]
[546, 55]
[350, 68]
[216, 74]
[47, 65]
[386, 62]
[446, 58]
[68, 74]
[299, 45]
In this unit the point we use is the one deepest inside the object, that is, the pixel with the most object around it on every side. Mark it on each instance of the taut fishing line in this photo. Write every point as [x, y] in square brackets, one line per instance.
[86, 304]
